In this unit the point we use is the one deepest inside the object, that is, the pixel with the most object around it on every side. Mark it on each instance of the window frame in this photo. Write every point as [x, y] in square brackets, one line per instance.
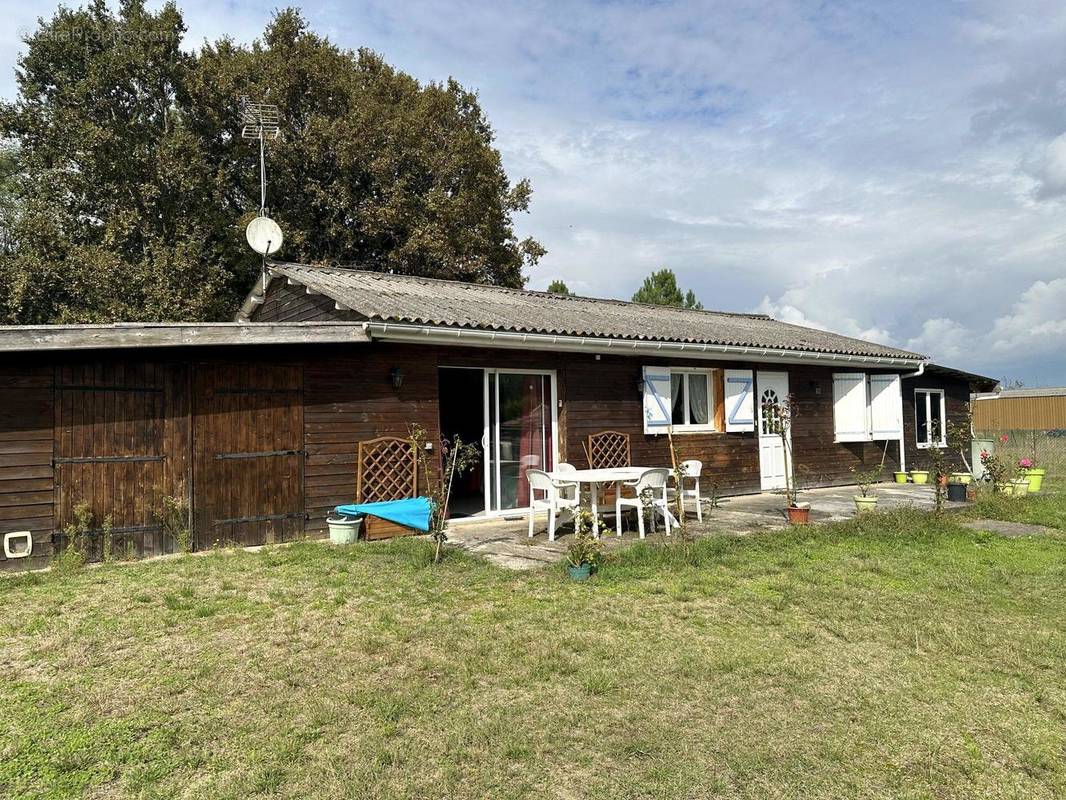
[694, 427]
[943, 418]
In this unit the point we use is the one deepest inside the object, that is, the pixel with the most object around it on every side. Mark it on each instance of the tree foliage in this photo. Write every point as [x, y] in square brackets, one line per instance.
[135, 184]
[661, 289]
[558, 287]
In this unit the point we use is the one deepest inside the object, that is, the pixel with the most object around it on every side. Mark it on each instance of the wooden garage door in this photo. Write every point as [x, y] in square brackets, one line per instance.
[247, 454]
[109, 451]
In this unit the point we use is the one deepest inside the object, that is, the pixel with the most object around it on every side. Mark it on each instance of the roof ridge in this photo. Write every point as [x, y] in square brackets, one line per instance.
[511, 289]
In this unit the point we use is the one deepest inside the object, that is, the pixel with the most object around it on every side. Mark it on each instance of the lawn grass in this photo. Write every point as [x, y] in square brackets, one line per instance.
[892, 656]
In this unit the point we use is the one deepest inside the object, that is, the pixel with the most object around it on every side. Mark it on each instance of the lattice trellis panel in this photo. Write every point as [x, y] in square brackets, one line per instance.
[386, 470]
[609, 449]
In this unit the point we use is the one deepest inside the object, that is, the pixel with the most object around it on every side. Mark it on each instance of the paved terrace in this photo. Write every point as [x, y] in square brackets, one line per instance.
[506, 541]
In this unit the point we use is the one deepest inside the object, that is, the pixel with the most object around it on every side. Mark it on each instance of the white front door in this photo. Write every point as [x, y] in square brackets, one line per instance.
[772, 388]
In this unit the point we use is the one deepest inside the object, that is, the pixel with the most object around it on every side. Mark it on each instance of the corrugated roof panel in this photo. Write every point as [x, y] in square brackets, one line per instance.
[427, 301]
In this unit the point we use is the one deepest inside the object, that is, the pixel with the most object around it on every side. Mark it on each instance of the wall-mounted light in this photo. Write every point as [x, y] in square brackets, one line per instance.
[396, 376]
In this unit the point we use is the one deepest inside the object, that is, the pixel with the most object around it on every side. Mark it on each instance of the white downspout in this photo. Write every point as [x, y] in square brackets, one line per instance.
[902, 450]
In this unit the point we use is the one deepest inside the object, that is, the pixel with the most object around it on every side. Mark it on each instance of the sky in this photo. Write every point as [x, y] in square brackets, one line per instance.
[892, 171]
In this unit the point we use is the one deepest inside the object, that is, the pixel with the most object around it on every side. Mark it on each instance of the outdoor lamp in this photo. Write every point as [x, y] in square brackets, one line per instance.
[397, 377]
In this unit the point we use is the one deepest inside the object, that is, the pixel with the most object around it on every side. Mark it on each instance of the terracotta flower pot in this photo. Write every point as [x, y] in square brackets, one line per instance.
[799, 515]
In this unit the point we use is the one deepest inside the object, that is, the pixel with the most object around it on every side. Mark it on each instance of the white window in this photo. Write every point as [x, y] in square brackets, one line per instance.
[679, 398]
[867, 407]
[930, 418]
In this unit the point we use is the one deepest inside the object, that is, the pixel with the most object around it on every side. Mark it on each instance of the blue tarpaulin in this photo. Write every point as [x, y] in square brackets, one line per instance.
[414, 512]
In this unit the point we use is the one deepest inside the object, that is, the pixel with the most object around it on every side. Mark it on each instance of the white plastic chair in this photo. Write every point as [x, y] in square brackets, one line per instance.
[555, 500]
[690, 470]
[653, 481]
[561, 468]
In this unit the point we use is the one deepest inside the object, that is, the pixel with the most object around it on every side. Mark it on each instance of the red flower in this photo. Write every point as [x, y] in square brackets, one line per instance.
[1004, 438]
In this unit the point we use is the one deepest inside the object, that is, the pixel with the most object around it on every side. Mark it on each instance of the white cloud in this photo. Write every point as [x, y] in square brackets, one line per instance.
[1050, 169]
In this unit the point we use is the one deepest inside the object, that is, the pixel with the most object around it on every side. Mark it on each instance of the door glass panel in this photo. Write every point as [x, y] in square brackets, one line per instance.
[524, 434]
[677, 392]
[769, 412]
[920, 416]
[697, 390]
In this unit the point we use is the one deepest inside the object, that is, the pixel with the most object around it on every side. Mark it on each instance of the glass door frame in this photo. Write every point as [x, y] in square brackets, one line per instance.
[491, 407]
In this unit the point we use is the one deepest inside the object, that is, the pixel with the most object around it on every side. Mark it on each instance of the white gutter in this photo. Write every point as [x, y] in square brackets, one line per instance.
[433, 334]
[919, 373]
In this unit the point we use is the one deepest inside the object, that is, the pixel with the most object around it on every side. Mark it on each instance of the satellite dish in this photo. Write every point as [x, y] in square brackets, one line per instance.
[264, 236]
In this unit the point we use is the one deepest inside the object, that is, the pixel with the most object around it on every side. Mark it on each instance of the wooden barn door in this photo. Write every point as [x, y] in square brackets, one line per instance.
[110, 451]
[247, 454]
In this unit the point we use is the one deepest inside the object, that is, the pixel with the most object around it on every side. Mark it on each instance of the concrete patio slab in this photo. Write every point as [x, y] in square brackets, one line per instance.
[506, 542]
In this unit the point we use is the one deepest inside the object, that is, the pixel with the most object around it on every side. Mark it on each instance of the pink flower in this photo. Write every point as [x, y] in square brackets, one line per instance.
[1004, 438]
[1025, 463]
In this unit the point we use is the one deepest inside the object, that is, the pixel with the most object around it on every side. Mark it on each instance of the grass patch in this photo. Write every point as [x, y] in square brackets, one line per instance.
[891, 656]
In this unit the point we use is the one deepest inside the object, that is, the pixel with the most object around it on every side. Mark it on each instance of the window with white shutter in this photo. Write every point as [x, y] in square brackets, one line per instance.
[678, 398]
[657, 399]
[851, 417]
[886, 407]
[739, 400]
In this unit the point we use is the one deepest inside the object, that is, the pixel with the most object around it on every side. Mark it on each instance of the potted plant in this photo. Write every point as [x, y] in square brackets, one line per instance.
[585, 553]
[957, 488]
[920, 476]
[1027, 467]
[778, 419]
[996, 472]
[864, 479]
[1020, 482]
[960, 437]
[583, 556]
[901, 477]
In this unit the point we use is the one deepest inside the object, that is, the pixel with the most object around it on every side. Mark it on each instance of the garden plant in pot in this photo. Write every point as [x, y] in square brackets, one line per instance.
[920, 476]
[865, 500]
[585, 553]
[1028, 469]
[1020, 482]
[957, 488]
[778, 418]
[996, 472]
[960, 435]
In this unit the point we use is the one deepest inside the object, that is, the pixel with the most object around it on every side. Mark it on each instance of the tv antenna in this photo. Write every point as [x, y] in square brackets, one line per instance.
[262, 121]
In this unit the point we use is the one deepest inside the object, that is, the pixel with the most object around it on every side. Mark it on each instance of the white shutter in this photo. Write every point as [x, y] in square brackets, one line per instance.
[657, 400]
[851, 419]
[886, 407]
[739, 400]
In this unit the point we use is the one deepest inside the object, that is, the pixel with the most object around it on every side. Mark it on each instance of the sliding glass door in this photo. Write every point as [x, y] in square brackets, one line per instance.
[519, 434]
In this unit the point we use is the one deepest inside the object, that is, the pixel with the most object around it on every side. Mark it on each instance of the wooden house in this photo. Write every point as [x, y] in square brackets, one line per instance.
[253, 427]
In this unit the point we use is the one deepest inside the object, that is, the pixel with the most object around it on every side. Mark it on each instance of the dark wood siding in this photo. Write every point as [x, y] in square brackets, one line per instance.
[247, 453]
[26, 480]
[191, 405]
[956, 398]
[110, 452]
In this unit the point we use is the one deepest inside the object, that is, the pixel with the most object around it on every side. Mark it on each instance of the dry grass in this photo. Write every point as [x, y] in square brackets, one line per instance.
[891, 657]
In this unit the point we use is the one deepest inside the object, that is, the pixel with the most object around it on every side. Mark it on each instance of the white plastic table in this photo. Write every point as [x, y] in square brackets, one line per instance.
[595, 477]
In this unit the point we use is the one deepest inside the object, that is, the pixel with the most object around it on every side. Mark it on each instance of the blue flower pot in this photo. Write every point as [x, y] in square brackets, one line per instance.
[579, 573]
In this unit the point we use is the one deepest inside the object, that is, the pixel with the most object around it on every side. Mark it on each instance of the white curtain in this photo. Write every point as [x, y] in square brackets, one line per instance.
[697, 389]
